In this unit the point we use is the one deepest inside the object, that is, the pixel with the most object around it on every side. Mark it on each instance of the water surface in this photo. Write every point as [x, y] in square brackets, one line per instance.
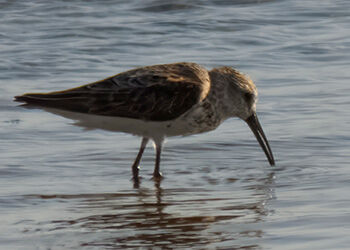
[66, 188]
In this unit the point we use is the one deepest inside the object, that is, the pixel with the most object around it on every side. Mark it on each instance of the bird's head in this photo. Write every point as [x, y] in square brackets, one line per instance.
[242, 95]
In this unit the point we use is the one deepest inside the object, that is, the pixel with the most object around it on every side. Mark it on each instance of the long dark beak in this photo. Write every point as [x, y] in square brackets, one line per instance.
[255, 126]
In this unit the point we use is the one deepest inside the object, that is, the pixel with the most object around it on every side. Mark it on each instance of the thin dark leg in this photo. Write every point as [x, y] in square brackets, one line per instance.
[156, 173]
[135, 166]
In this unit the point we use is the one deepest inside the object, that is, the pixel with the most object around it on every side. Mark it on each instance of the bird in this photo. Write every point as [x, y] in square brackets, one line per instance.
[159, 101]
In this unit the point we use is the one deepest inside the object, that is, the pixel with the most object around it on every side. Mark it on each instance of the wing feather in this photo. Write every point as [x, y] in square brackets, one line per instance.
[155, 93]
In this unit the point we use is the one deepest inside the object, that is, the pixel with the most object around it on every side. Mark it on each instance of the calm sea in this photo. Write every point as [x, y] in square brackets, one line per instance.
[65, 188]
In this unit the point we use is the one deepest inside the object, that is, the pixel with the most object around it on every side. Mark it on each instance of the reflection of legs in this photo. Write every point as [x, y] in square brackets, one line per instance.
[156, 173]
[135, 166]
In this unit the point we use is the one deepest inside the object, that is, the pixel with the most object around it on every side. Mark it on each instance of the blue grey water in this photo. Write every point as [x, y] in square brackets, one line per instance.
[65, 188]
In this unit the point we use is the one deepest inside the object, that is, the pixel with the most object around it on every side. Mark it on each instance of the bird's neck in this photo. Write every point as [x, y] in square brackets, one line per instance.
[217, 97]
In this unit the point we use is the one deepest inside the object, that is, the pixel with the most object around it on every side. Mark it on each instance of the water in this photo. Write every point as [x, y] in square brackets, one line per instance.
[65, 188]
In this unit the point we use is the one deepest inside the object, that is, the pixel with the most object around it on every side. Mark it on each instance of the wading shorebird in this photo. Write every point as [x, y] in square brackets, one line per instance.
[159, 101]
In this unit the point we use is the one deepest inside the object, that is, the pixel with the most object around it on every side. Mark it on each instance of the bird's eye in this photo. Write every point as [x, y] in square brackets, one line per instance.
[248, 97]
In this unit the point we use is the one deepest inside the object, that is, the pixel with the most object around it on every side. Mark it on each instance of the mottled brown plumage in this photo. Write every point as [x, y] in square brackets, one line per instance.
[153, 93]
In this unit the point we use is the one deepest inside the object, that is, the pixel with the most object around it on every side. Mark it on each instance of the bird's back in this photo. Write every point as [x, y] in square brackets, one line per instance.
[154, 93]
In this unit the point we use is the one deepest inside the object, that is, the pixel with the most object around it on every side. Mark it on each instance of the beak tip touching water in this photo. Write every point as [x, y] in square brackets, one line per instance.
[256, 128]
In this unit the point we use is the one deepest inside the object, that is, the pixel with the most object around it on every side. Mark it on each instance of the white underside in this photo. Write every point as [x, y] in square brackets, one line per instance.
[155, 130]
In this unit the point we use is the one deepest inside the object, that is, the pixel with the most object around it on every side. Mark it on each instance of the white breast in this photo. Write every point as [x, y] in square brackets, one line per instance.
[199, 119]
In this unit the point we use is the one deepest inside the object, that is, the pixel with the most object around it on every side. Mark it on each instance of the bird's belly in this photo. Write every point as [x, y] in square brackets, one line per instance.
[184, 125]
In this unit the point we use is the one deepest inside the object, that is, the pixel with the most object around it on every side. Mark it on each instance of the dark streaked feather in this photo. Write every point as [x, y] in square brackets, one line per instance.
[156, 93]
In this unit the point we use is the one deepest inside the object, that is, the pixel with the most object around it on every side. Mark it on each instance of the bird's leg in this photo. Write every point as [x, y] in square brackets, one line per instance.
[135, 166]
[156, 173]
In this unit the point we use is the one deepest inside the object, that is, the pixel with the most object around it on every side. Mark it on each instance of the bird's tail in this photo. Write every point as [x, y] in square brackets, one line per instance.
[72, 101]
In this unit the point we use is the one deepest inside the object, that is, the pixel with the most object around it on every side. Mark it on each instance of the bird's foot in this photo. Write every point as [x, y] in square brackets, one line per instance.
[157, 176]
[137, 181]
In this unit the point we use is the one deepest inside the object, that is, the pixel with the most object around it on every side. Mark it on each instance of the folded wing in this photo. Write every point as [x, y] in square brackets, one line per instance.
[155, 93]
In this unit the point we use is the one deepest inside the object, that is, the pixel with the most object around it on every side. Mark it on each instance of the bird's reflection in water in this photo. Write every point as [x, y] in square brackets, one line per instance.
[167, 218]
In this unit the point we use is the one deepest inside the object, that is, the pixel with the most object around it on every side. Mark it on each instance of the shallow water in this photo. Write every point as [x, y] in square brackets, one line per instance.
[65, 188]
